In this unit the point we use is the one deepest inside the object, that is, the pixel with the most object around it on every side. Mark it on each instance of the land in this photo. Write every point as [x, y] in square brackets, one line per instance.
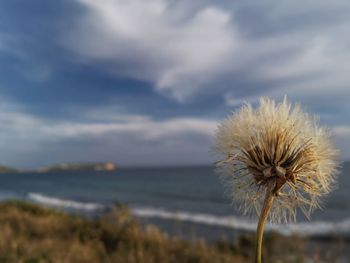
[66, 167]
[7, 169]
[79, 167]
[34, 234]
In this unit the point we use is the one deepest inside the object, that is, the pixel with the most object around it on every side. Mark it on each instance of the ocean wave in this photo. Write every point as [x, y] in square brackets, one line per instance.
[316, 228]
[64, 203]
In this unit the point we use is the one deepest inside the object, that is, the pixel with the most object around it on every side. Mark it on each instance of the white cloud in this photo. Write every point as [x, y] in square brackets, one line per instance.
[21, 125]
[128, 139]
[157, 41]
[301, 51]
[145, 128]
[28, 140]
[182, 49]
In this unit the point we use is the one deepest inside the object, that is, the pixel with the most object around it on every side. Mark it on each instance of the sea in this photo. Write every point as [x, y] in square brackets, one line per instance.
[185, 201]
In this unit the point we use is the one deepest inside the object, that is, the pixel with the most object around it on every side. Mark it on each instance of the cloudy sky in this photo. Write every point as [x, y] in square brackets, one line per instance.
[145, 82]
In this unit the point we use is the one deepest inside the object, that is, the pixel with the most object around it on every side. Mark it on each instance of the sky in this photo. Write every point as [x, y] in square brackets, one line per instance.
[144, 83]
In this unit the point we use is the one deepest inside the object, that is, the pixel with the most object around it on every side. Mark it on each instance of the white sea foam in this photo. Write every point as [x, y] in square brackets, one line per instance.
[64, 203]
[304, 228]
[314, 228]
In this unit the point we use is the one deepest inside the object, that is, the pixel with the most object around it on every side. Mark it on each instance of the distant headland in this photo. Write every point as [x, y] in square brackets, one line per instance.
[6, 169]
[66, 167]
[79, 167]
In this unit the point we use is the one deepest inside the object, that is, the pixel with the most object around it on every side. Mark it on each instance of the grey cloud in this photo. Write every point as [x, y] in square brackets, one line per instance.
[184, 54]
[129, 140]
[156, 41]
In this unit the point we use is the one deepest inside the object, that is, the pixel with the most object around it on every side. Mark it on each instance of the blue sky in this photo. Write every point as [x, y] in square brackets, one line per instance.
[146, 82]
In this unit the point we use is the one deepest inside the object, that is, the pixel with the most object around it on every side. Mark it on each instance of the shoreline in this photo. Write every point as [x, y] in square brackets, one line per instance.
[214, 224]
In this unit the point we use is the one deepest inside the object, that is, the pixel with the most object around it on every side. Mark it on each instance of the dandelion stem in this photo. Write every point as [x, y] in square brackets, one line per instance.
[262, 220]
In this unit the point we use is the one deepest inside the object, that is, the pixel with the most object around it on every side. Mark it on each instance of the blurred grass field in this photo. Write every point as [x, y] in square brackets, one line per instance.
[33, 234]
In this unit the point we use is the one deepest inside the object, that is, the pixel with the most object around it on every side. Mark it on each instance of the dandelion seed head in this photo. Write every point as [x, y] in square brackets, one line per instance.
[276, 146]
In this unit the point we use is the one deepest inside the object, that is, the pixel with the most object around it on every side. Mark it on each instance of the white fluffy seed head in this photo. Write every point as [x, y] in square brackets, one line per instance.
[281, 145]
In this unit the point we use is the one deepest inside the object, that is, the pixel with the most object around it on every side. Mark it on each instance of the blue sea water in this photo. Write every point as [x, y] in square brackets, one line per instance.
[185, 194]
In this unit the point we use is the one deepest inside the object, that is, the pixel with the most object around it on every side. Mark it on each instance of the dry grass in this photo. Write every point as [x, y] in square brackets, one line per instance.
[32, 234]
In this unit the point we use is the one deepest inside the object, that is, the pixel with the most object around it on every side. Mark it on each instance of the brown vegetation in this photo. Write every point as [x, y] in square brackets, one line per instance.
[32, 234]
